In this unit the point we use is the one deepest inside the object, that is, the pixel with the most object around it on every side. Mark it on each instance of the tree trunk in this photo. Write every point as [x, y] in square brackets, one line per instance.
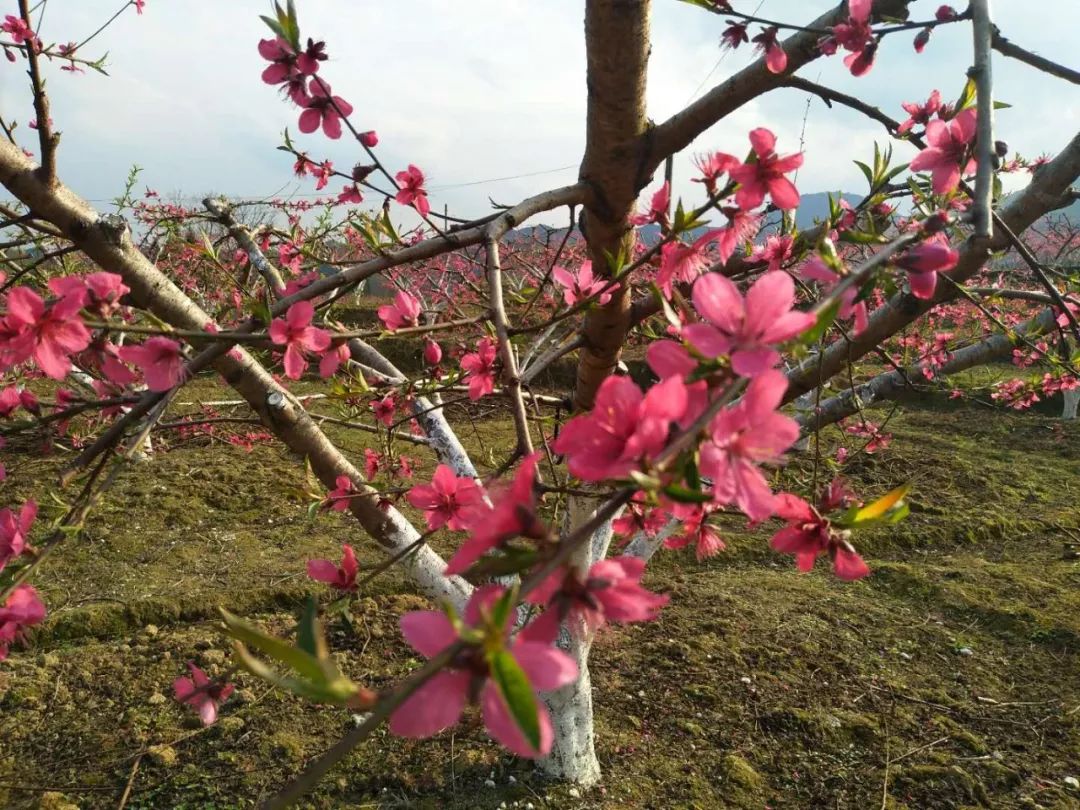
[572, 757]
[1072, 399]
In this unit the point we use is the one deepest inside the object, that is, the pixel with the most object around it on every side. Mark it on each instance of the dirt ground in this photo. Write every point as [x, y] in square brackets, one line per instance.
[947, 679]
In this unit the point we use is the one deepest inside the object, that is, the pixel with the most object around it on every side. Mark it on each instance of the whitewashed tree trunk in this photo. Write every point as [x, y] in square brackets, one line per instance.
[1072, 400]
[573, 757]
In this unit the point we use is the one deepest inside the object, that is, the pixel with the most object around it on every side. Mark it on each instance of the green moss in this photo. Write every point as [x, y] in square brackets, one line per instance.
[742, 785]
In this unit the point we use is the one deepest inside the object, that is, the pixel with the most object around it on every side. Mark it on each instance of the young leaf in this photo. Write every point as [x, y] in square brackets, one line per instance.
[304, 663]
[517, 693]
[883, 504]
[824, 320]
[682, 494]
[307, 631]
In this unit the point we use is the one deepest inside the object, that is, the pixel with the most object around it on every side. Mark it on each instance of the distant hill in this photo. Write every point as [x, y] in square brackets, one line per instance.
[813, 207]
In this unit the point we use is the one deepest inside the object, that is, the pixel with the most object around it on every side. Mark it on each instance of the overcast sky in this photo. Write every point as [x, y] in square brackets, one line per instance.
[476, 90]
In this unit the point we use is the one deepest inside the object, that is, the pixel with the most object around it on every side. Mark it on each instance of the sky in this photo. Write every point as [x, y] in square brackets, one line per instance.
[476, 91]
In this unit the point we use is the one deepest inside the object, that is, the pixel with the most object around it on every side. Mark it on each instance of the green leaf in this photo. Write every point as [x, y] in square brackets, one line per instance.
[668, 310]
[307, 631]
[500, 611]
[868, 173]
[274, 26]
[1001, 105]
[337, 690]
[681, 494]
[279, 650]
[825, 319]
[511, 561]
[517, 693]
[862, 238]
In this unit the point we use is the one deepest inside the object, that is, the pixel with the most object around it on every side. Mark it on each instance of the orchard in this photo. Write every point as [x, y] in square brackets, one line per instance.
[609, 496]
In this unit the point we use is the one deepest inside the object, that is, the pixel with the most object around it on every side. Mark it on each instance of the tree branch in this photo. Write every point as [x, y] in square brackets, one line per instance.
[1007, 48]
[982, 201]
[677, 132]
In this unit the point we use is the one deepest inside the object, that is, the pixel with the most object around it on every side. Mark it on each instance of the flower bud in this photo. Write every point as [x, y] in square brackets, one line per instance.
[1001, 149]
[369, 138]
[921, 39]
[432, 352]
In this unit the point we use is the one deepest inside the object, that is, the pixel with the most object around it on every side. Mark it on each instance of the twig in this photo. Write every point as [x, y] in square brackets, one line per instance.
[131, 781]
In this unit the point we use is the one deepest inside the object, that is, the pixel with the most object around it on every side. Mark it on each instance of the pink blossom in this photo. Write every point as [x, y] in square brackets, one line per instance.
[384, 409]
[106, 290]
[695, 528]
[611, 591]
[683, 263]
[18, 28]
[432, 352]
[767, 43]
[743, 436]
[624, 428]
[669, 359]
[412, 191]
[946, 155]
[734, 35]
[920, 113]
[48, 334]
[712, 167]
[855, 35]
[281, 57]
[323, 109]
[658, 208]
[447, 500]
[749, 328]
[9, 401]
[775, 251]
[372, 463]
[350, 195]
[766, 174]
[14, 531]
[160, 360]
[480, 366]
[923, 262]
[512, 514]
[341, 495]
[405, 311]
[640, 517]
[808, 535]
[438, 704]
[139, 4]
[322, 174]
[298, 336]
[22, 609]
[335, 358]
[201, 694]
[582, 285]
[816, 270]
[370, 139]
[342, 577]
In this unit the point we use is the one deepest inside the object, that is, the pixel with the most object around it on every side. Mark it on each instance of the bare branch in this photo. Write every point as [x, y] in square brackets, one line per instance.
[983, 75]
[1007, 48]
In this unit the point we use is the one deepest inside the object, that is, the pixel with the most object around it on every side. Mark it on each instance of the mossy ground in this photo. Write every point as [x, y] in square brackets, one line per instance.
[949, 678]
